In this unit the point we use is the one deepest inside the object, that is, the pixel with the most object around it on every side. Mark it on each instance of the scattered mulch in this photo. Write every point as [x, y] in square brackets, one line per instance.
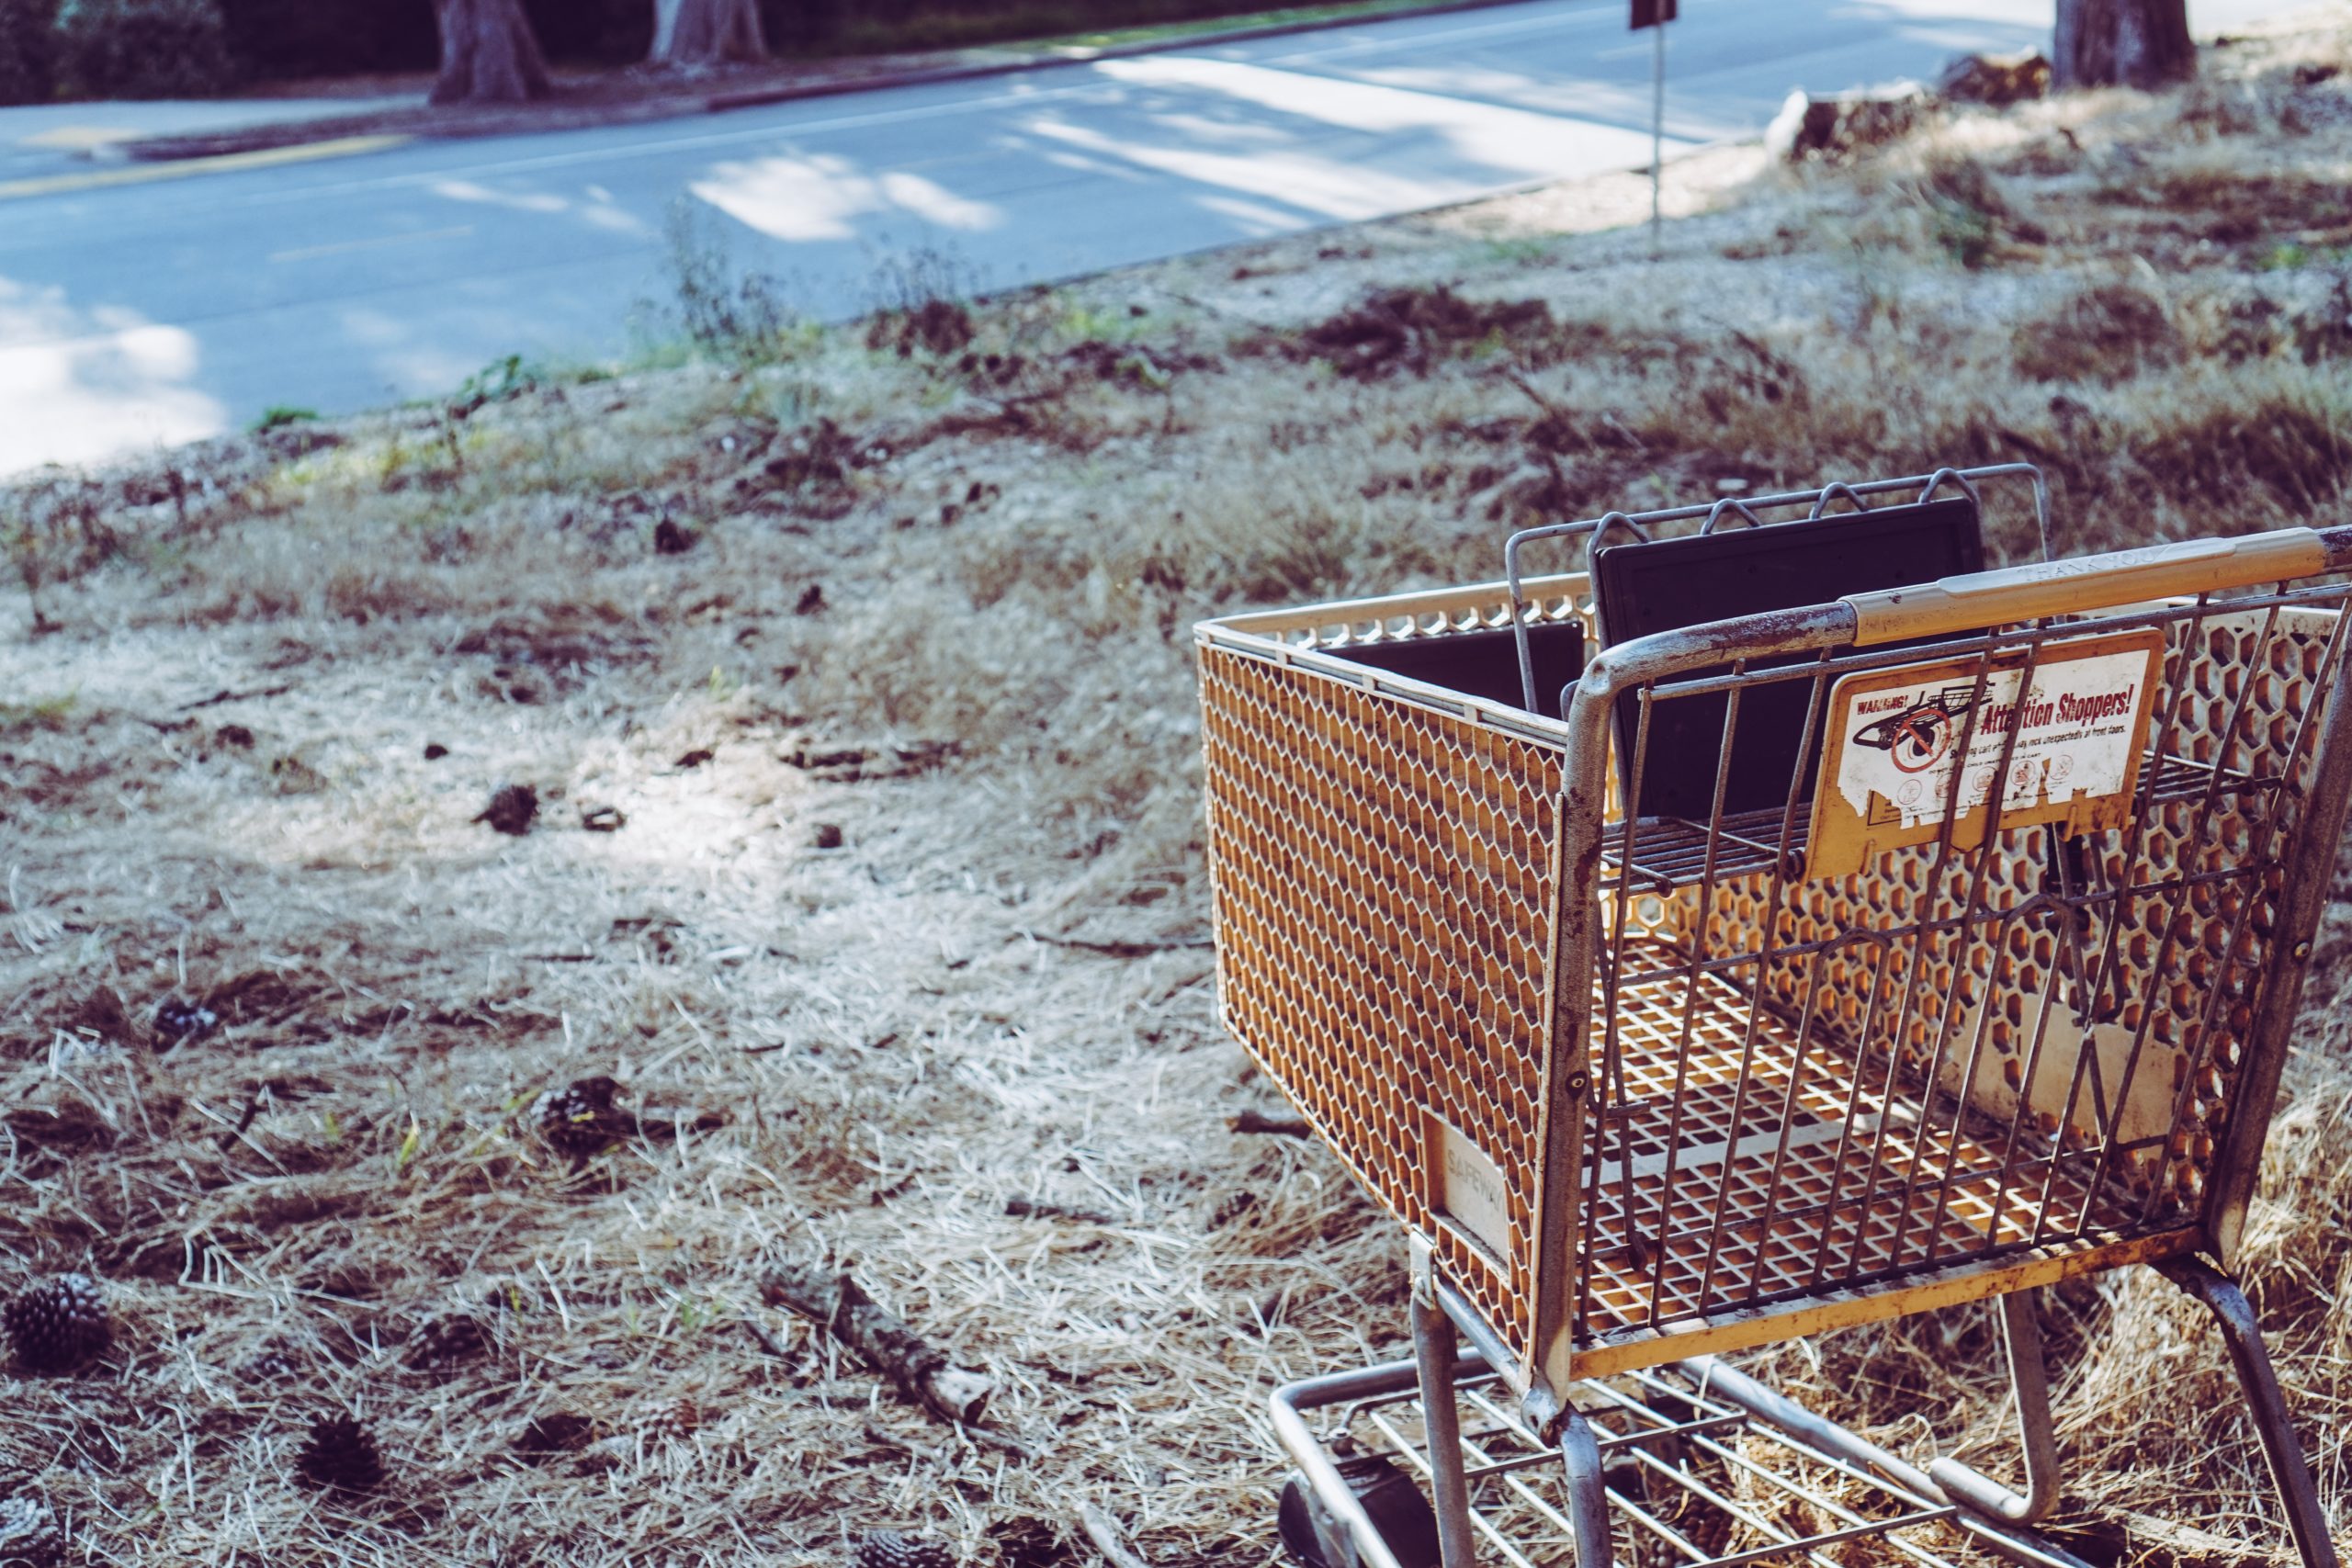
[1410, 329]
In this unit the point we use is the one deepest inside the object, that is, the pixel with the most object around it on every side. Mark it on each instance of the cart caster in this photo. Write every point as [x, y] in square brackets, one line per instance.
[1406, 1523]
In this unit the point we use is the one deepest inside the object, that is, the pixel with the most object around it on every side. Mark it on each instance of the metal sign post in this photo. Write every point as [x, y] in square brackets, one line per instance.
[1654, 15]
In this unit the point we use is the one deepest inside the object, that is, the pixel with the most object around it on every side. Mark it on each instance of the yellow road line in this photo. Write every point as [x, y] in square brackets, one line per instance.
[183, 168]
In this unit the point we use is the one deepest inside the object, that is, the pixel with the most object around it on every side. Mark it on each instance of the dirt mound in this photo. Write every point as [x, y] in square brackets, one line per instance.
[1410, 329]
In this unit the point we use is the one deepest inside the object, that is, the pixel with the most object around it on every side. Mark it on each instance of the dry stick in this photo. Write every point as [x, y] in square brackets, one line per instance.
[836, 1302]
[1255, 1121]
[1040, 1209]
[225, 696]
[2188, 1541]
[244, 1123]
[1126, 949]
[1108, 1538]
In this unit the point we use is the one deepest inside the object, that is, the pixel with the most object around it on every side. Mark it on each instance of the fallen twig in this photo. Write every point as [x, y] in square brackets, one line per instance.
[245, 1122]
[838, 1305]
[1108, 1538]
[2189, 1543]
[1254, 1121]
[225, 696]
[1040, 1209]
[1126, 949]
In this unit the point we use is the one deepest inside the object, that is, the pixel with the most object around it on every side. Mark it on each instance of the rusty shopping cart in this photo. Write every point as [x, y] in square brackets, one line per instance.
[1907, 934]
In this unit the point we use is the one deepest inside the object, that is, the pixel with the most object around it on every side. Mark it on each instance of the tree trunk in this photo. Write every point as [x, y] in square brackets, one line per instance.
[488, 54]
[2121, 43]
[705, 32]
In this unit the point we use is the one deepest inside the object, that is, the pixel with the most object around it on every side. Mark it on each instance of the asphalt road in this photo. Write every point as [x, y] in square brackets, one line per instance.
[139, 314]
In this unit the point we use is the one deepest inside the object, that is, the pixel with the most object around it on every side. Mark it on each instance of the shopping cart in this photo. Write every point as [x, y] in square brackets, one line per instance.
[1950, 951]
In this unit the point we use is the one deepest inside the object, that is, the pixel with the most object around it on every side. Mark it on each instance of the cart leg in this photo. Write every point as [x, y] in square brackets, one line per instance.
[2029, 1382]
[1436, 1347]
[2305, 1518]
[1587, 1494]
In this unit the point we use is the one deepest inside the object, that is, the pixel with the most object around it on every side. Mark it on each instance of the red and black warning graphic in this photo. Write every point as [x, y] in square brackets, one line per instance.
[1914, 747]
[1917, 738]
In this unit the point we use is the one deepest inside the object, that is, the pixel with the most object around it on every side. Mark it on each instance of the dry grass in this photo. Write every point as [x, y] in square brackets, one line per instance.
[997, 986]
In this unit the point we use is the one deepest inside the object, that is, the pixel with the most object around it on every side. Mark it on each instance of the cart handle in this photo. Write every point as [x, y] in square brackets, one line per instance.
[2017, 593]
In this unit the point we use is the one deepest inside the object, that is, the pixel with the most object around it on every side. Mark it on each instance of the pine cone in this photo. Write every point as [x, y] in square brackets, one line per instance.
[1027, 1542]
[579, 1118]
[30, 1535]
[512, 809]
[558, 1432]
[895, 1549]
[57, 1327]
[341, 1453]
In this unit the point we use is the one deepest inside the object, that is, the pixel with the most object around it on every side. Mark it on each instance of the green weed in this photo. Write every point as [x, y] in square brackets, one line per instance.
[42, 713]
[741, 318]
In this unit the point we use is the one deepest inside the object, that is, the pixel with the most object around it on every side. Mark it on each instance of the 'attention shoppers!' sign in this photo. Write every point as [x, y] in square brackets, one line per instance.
[1910, 746]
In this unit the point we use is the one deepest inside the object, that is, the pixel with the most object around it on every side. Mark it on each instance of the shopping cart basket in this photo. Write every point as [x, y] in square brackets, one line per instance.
[1991, 990]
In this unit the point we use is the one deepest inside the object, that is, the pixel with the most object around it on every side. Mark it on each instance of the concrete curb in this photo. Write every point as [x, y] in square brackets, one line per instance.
[280, 134]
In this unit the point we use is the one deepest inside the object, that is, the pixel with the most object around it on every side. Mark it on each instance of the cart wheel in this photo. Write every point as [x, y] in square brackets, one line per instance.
[1403, 1517]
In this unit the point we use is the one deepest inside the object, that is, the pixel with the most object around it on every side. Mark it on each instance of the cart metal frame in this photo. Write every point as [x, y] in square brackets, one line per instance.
[1643, 1092]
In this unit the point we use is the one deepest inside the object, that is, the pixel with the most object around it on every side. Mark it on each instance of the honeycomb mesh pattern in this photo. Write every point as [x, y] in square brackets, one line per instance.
[1383, 897]
[1947, 1071]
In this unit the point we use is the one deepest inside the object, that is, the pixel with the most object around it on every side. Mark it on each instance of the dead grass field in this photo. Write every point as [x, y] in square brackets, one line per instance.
[906, 918]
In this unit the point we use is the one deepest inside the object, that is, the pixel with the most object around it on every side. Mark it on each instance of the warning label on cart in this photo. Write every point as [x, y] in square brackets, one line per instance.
[1910, 746]
[1470, 1191]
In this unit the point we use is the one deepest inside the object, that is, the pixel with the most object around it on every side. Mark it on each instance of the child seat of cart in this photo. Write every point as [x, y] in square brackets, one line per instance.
[1670, 584]
[1482, 664]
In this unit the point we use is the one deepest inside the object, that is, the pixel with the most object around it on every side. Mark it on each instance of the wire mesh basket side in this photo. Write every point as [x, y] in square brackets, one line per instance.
[1952, 1057]
[1382, 888]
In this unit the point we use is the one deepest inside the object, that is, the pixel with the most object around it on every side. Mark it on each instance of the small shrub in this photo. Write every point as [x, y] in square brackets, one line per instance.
[500, 381]
[735, 316]
[919, 303]
[28, 53]
[277, 416]
[143, 48]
